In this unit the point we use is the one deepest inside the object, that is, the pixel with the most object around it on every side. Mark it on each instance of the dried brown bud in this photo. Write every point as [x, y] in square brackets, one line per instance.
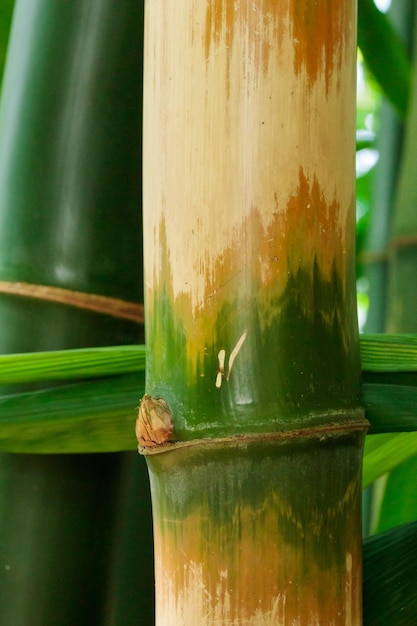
[154, 423]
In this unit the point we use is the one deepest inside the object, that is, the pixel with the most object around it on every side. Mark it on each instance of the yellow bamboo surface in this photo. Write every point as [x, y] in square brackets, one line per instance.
[249, 125]
[249, 194]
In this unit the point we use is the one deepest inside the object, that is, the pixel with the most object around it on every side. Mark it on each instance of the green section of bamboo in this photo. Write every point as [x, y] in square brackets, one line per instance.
[45, 529]
[70, 235]
[130, 584]
[98, 415]
[276, 390]
[70, 128]
[379, 353]
[237, 514]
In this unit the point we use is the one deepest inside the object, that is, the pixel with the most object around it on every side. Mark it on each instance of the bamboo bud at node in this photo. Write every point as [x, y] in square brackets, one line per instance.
[154, 423]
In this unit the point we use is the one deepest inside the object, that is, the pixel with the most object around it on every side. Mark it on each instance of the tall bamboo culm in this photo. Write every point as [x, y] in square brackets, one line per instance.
[252, 424]
[70, 234]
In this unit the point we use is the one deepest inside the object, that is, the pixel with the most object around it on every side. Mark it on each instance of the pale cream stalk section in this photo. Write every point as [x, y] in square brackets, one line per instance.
[229, 124]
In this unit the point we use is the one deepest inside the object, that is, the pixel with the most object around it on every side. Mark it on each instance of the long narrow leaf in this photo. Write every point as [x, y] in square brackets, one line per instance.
[390, 577]
[97, 416]
[384, 54]
[71, 364]
[399, 502]
[390, 408]
[389, 353]
[379, 353]
[6, 12]
[79, 417]
[385, 452]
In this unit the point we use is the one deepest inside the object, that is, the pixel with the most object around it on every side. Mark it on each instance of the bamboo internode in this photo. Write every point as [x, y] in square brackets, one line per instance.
[250, 307]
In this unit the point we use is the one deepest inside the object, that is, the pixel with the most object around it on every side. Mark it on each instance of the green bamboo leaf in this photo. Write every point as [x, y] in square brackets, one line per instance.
[385, 452]
[390, 408]
[63, 419]
[94, 416]
[389, 353]
[71, 364]
[384, 54]
[399, 502]
[88, 405]
[379, 353]
[390, 577]
[6, 12]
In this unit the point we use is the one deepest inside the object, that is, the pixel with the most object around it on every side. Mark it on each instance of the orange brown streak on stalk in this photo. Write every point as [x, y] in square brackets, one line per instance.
[321, 32]
[249, 147]
[313, 228]
[260, 260]
[254, 19]
[214, 14]
[307, 231]
[220, 16]
[293, 585]
[244, 171]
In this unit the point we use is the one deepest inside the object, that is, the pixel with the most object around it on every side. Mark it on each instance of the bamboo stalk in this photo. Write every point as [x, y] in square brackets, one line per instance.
[252, 423]
[70, 265]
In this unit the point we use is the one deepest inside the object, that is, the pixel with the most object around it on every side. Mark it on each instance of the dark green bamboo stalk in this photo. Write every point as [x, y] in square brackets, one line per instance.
[252, 426]
[70, 233]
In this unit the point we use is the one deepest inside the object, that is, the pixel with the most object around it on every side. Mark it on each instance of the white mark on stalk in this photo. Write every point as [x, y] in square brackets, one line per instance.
[349, 588]
[221, 356]
[232, 357]
[234, 353]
